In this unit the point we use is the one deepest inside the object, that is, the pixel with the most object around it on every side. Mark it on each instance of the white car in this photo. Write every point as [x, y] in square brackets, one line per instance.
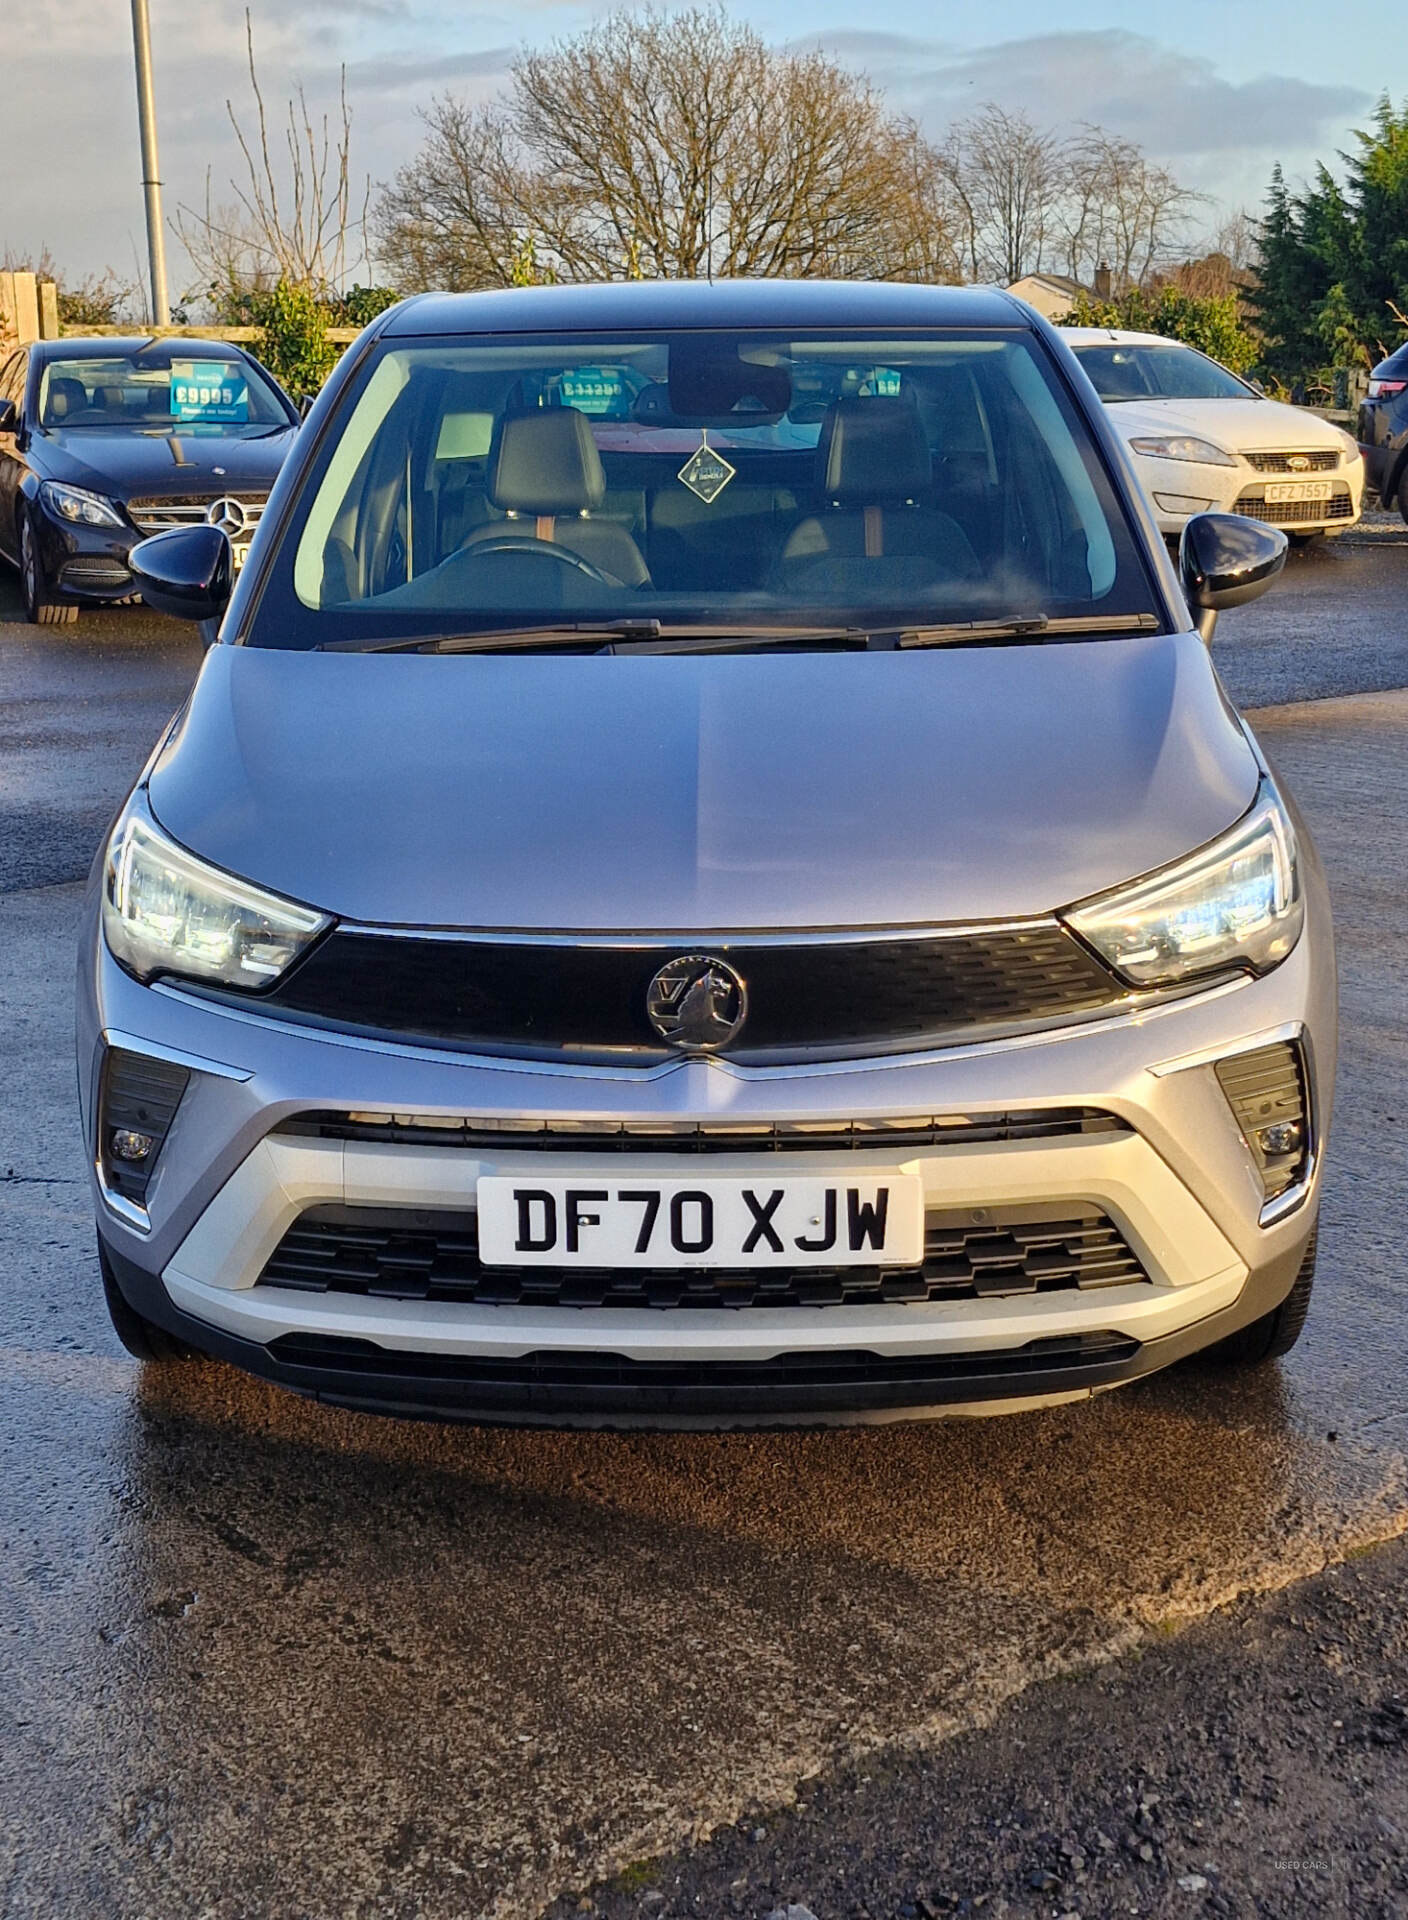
[1203, 439]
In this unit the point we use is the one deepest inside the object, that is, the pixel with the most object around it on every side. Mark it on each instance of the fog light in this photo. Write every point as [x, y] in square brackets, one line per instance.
[139, 1102]
[1266, 1090]
[127, 1145]
[1284, 1137]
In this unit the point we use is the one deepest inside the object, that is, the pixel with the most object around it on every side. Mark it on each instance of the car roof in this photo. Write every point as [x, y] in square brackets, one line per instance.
[1115, 337]
[98, 346]
[701, 303]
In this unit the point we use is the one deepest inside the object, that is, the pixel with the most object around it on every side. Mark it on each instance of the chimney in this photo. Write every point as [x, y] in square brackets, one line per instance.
[1102, 281]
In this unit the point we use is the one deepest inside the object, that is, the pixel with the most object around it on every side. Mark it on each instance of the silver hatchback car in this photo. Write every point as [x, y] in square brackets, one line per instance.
[707, 879]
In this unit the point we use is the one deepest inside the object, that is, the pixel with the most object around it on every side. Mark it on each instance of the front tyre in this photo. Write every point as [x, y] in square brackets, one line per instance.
[40, 606]
[1276, 1332]
[142, 1339]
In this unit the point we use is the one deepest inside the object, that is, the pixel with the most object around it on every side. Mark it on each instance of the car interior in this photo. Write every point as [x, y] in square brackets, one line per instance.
[121, 392]
[486, 488]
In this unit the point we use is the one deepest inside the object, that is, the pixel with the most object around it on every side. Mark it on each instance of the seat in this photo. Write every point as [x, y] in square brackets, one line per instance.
[65, 397]
[545, 476]
[873, 469]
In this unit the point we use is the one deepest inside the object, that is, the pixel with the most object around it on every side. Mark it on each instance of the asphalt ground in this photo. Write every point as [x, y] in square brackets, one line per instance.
[258, 1657]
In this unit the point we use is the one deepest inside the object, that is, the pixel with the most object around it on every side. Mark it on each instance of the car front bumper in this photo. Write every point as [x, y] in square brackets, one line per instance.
[85, 564]
[1180, 488]
[1177, 1181]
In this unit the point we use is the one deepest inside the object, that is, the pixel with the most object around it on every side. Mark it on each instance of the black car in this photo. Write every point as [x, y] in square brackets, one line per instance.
[103, 442]
[1383, 430]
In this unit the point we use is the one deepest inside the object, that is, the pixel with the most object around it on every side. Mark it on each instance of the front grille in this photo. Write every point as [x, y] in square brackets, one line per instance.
[1321, 460]
[1266, 1090]
[185, 510]
[140, 1095]
[1289, 513]
[806, 999]
[907, 1132]
[388, 1254]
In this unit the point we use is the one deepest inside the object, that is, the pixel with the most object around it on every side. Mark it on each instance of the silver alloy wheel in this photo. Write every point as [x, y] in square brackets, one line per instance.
[29, 565]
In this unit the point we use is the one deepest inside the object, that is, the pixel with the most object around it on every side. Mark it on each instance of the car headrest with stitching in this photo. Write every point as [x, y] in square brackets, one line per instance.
[872, 450]
[545, 462]
[65, 396]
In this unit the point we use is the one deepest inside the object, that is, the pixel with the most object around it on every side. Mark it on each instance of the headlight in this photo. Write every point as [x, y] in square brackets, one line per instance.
[1182, 446]
[84, 509]
[165, 911]
[1236, 903]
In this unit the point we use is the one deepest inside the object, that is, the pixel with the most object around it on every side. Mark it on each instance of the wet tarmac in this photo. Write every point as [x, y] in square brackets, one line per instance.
[258, 1657]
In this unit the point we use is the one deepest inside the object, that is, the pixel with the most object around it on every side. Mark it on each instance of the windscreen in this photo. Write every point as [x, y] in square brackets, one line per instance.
[1159, 373]
[707, 476]
[161, 392]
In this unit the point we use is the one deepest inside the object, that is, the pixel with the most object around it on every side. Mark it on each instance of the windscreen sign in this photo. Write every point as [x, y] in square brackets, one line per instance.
[208, 390]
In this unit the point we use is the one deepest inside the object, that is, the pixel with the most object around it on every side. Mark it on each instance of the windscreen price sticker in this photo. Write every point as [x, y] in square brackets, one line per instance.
[208, 390]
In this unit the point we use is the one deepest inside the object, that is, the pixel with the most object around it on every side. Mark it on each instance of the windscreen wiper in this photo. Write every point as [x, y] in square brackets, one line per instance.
[657, 636]
[982, 633]
[612, 636]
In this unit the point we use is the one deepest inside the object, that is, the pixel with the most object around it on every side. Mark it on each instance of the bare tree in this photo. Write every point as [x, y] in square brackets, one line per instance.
[293, 219]
[1122, 209]
[1008, 178]
[671, 146]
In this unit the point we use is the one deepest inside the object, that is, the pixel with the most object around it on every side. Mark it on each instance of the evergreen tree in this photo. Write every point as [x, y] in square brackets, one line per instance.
[1332, 278]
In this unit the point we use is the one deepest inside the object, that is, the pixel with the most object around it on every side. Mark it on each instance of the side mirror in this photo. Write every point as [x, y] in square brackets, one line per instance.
[9, 417]
[187, 572]
[1225, 560]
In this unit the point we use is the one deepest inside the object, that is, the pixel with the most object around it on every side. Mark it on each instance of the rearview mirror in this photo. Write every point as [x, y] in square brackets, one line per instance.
[186, 572]
[9, 417]
[1224, 560]
[712, 385]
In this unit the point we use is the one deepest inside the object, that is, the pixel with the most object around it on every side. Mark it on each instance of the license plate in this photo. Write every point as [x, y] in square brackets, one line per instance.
[858, 1220]
[1298, 490]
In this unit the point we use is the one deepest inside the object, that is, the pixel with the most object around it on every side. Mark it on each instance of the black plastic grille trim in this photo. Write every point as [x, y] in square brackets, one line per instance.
[708, 1136]
[838, 1372]
[1264, 1088]
[390, 1254]
[807, 999]
[141, 1094]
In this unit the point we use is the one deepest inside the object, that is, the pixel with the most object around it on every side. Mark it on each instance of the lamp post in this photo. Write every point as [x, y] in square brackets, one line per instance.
[151, 182]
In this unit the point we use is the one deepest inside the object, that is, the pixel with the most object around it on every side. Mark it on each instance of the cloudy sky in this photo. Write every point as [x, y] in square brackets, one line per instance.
[1219, 89]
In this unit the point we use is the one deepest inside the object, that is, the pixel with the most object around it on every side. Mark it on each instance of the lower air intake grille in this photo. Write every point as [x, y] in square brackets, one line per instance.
[1291, 513]
[140, 1098]
[1266, 1092]
[390, 1255]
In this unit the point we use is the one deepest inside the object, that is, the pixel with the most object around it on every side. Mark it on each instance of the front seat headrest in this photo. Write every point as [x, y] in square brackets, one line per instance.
[65, 396]
[545, 462]
[872, 450]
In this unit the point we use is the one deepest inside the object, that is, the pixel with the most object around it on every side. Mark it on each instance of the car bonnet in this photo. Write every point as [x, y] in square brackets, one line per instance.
[761, 790]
